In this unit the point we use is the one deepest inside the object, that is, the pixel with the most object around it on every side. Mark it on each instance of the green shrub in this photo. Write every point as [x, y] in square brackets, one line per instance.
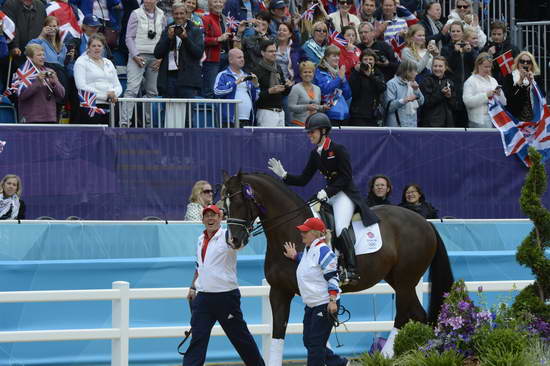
[499, 341]
[538, 352]
[376, 359]
[411, 337]
[500, 356]
[432, 358]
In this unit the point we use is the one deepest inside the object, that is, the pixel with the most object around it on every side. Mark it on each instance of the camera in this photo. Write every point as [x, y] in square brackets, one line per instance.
[151, 34]
[382, 59]
[48, 74]
[248, 77]
[461, 44]
[178, 30]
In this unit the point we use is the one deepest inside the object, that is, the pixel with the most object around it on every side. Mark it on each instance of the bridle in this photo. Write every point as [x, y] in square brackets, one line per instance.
[251, 202]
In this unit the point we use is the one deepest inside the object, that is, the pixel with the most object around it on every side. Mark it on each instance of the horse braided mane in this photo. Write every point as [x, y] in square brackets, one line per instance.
[283, 187]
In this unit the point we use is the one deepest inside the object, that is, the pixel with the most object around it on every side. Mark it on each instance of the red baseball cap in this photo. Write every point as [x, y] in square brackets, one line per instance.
[312, 223]
[212, 208]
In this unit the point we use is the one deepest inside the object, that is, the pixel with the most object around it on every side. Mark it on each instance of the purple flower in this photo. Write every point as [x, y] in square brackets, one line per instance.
[456, 322]
[463, 305]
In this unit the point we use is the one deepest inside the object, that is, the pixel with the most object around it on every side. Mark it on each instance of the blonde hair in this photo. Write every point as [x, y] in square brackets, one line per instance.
[307, 65]
[409, 41]
[331, 50]
[57, 43]
[469, 33]
[12, 176]
[484, 56]
[32, 49]
[536, 69]
[197, 190]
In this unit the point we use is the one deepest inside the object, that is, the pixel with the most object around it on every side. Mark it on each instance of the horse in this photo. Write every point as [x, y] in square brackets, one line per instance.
[410, 246]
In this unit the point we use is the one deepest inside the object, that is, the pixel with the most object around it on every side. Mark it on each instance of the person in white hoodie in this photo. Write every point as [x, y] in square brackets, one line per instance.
[318, 282]
[478, 90]
[96, 74]
[463, 12]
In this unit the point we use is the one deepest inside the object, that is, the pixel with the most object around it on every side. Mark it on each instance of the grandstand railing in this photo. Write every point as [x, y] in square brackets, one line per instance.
[176, 112]
[534, 37]
[120, 332]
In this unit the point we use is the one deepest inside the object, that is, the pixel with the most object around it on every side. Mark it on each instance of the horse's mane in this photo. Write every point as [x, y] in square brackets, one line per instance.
[279, 184]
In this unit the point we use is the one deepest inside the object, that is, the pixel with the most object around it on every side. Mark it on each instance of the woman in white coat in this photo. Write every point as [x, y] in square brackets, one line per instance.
[478, 90]
[97, 76]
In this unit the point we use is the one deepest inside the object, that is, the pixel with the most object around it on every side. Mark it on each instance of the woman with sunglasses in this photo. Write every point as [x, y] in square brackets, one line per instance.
[314, 48]
[518, 86]
[342, 17]
[201, 196]
[464, 14]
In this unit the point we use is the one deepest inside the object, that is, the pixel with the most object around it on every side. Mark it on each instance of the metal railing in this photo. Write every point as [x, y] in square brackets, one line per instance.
[534, 37]
[174, 113]
[120, 332]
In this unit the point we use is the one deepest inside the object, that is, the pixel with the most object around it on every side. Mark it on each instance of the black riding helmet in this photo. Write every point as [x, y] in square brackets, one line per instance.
[318, 120]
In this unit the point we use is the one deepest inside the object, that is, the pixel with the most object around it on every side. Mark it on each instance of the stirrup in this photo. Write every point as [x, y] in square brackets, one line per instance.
[350, 278]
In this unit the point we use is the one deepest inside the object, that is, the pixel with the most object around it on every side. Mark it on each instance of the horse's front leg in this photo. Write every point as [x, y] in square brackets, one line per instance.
[280, 308]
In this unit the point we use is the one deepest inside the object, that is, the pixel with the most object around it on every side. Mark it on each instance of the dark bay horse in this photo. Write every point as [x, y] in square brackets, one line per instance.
[411, 245]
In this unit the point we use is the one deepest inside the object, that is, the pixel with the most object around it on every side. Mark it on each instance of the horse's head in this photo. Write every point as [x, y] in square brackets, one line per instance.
[241, 207]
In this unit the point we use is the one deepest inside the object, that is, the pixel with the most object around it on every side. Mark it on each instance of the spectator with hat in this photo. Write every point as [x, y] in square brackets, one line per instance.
[214, 295]
[278, 10]
[108, 12]
[318, 281]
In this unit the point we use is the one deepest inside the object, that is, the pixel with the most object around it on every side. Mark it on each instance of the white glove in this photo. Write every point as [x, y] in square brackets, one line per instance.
[322, 195]
[276, 167]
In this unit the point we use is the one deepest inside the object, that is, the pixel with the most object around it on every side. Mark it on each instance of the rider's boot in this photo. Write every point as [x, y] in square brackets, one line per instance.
[347, 246]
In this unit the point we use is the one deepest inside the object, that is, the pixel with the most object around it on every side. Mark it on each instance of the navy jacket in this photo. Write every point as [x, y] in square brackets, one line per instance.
[189, 57]
[334, 164]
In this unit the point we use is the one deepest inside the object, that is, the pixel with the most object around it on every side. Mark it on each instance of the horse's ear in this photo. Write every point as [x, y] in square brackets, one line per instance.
[226, 175]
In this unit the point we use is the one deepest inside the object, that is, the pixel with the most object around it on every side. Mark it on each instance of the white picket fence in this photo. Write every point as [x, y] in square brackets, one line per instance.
[120, 295]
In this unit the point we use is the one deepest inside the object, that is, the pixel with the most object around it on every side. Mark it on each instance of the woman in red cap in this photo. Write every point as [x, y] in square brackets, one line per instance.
[318, 282]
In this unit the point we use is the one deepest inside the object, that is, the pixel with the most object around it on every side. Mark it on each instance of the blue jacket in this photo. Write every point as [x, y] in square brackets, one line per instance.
[51, 55]
[87, 8]
[3, 46]
[225, 87]
[328, 84]
[236, 9]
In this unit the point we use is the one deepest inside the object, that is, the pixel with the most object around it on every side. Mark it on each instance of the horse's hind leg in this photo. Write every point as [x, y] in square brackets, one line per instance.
[280, 308]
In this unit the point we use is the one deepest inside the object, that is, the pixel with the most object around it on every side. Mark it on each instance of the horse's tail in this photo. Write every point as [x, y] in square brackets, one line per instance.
[441, 278]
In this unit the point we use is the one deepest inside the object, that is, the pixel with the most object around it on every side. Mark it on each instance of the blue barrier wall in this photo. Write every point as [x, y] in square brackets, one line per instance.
[44, 256]
[103, 173]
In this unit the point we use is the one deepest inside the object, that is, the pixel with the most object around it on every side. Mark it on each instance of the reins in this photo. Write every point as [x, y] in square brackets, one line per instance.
[261, 227]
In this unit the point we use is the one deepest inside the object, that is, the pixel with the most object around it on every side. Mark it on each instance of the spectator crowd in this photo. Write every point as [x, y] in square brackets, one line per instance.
[362, 62]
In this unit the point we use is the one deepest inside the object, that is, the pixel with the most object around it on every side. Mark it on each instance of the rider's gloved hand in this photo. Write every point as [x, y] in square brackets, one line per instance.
[276, 167]
[322, 195]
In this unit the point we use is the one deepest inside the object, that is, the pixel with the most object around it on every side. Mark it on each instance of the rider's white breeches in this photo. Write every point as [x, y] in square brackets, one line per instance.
[343, 208]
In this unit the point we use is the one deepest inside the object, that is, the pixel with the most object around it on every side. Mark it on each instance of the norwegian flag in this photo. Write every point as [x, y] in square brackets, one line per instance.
[308, 14]
[403, 12]
[88, 100]
[231, 23]
[397, 43]
[2, 144]
[337, 39]
[23, 79]
[517, 136]
[66, 18]
[505, 61]
[8, 26]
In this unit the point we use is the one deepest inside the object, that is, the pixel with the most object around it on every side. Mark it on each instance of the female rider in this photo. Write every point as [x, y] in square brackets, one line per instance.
[332, 160]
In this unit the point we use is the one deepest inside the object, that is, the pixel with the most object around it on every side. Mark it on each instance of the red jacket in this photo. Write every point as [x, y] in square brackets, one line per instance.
[350, 59]
[212, 31]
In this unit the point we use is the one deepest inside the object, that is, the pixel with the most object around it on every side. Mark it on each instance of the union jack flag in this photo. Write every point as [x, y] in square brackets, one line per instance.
[332, 99]
[337, 39]
[403, 12]
[88, 100]
[516, 135]
[262, 5]
[231, 23]
[308, 14]
[24, 77]
[397, 43]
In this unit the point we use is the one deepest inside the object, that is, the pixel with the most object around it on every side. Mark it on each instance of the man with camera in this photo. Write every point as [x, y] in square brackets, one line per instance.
[386, 61]
[273, 87]
[234, 83]
[180, 47]
[252, 33]
[143, 33]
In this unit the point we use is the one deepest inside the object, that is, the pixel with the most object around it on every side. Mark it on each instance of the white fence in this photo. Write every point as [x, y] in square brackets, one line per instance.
[120, 333]
[174, 113]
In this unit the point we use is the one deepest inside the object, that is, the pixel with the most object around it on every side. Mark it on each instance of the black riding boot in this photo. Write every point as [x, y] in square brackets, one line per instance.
[347, 246]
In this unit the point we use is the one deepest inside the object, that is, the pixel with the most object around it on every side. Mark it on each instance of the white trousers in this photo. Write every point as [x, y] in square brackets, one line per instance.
[343, 208]
[136, 77]
[269, 118]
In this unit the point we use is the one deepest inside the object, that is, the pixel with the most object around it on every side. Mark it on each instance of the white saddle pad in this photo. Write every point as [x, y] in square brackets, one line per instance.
[367, 239]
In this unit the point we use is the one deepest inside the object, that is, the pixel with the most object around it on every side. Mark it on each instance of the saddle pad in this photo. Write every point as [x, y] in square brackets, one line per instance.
[367, 239]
